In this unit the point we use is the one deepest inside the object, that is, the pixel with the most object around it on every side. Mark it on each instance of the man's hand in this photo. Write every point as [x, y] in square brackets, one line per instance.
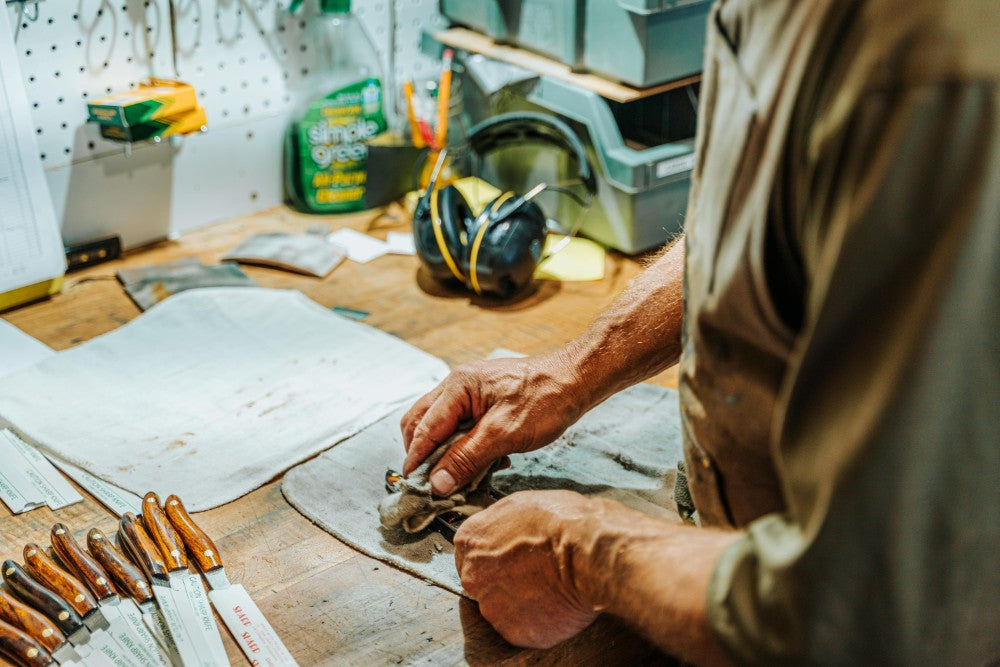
[544, 564]
[513, 559]
[517, 405]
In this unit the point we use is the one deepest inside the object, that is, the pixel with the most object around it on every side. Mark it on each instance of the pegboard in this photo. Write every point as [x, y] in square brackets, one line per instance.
[246, 59]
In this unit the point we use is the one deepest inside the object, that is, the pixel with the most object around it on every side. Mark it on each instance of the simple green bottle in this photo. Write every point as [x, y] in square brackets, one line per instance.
[339, 107]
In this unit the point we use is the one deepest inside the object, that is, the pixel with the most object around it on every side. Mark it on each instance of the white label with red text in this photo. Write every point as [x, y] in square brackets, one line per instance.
[250, 629]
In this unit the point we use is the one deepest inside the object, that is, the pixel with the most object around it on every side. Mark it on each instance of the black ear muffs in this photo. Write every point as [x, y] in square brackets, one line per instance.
[497, 251]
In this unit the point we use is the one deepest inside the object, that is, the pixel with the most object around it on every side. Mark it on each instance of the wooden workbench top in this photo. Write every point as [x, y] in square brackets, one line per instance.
[331, 604]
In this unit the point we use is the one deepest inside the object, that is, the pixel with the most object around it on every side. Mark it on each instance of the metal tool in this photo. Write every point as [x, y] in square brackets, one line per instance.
[109, 640]
[178, 614]
[69, 622]
[184, 584]
[251, 630]
[22, 649]
[37, 626]
[122, 615]
[134, 585]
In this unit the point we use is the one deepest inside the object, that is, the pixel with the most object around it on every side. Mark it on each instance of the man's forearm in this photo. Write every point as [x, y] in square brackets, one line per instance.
[652, 573]
[639, 335]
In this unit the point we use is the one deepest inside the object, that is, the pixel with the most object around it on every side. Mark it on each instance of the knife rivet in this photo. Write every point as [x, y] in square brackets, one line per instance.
[141, 585]
[208, 553]
[63, 615]
[175, 553]
[9, 571]
[101, 581]
[31, 652]
[60, 531]
[79, 598]
[173, 503]
[150, 500]
[47, 632]
[31, 552]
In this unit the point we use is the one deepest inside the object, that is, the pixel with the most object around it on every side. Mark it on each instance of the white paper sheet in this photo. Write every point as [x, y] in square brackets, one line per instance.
[31, 249]
[214, 392]
[19, 350]
[401, 243]
[360, 247]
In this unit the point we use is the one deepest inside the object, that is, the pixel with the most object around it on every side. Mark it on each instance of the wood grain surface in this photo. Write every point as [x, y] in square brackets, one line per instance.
[45, 571]
[128, 578]
[22, 648]
[80, 563]
[163, 533]
[330, 604]
[41, 598]
[31, 622]
[201, 547]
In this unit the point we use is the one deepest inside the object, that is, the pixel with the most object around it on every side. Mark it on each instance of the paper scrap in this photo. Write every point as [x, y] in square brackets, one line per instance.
[28, 480]
[31, 249]
[577, 260]
[148, 285]
[401, 243]
[310, 254]
[19, 350]
[360, 247]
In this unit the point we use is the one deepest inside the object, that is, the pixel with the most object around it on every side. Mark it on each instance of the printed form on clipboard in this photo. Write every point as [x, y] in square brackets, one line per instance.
[32, 259]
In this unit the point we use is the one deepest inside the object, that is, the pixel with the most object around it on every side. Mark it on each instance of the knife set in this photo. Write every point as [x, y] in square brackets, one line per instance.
[101, 610]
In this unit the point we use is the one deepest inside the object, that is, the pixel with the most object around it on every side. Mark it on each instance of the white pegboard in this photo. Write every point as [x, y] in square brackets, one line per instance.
[245, 59]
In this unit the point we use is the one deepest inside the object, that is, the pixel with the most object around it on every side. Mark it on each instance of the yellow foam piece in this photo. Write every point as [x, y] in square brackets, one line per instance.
[579, 260]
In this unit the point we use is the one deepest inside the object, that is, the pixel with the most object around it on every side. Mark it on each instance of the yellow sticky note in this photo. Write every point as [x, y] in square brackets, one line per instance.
[575, 260]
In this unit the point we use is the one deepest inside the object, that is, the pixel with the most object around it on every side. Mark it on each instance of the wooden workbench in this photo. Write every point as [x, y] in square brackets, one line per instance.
[331, 604]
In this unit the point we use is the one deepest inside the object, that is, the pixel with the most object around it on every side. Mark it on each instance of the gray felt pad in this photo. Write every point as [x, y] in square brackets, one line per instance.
[627, 448]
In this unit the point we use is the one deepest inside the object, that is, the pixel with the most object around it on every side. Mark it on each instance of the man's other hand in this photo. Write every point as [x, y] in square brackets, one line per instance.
[514, 559]
[517, 405]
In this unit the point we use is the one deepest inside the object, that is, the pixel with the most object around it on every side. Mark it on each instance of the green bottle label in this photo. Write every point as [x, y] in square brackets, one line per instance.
[332, 153]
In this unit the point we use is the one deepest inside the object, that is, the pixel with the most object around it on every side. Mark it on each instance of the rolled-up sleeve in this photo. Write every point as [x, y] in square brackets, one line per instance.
[886, 437]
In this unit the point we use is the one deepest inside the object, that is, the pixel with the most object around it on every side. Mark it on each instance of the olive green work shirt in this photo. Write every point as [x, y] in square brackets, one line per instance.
[840, 376]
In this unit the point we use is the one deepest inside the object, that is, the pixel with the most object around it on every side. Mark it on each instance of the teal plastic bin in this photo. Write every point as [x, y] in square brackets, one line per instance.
[644, 42]
[486, 16]
[642, 153]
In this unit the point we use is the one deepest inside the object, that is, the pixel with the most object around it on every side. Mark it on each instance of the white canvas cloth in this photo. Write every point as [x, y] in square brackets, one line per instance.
[626, 449]
[214, 392]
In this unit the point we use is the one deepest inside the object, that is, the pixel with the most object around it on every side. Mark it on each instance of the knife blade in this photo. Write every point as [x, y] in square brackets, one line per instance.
[186, 586]
[127, 627]
[103, 638]
[145, 552]
[21, 649]
[133, 584]
[37, 626]
[48, 603]
[251, 630]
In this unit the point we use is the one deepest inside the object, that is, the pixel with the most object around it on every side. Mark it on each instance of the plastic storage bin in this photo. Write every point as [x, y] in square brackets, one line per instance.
[486, 16]
[642, 153]
[644, 42]
[640, 42]
[551, 27]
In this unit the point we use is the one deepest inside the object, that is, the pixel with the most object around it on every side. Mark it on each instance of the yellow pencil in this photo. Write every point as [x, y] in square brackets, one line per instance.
[444, 93]
[415, 136]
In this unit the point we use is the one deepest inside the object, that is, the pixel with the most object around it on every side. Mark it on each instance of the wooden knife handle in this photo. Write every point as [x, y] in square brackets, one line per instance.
[127, 576]
[41, 598]
[141, 546]
[31, 622]
[80, 563]
[199, 544]
[22, 649]
[163, 533]
[46, 572]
